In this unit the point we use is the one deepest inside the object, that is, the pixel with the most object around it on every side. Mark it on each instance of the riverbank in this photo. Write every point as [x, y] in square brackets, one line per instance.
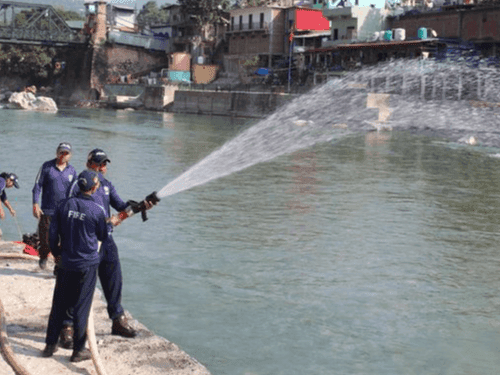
[26, 295]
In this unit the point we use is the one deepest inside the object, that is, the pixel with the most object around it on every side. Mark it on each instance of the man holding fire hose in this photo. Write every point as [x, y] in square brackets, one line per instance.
[109, 270]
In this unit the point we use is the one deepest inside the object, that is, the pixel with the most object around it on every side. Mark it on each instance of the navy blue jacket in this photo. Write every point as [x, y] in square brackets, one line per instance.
[78, 223]
[105, 197]
[53, 184]
[3, 183]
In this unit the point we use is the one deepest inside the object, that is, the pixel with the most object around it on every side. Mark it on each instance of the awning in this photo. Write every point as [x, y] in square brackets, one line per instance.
[312, 35]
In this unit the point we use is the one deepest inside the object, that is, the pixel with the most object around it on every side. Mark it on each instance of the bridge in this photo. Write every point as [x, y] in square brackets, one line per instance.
[36, 24]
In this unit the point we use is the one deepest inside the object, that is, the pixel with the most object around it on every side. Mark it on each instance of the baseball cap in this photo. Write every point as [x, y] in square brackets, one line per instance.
[64, 146]
[13, 177]
[97, 156]
[87, 180]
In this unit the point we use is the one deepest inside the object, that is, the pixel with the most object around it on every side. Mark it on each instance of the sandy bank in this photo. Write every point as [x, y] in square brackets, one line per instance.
[26, 294]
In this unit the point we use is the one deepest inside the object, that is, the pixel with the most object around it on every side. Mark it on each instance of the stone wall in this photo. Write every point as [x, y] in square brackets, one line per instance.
[242, 104]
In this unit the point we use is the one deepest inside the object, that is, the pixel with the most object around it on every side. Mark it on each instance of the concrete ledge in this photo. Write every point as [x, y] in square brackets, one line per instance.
[236, 103]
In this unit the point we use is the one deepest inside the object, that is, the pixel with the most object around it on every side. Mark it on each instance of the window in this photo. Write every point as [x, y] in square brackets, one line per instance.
[241, 22]
[232, 23]
[335, 34]
[262, 20]
[250, 22]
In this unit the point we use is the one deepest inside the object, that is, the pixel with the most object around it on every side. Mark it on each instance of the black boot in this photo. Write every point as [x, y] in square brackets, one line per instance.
[81, 355]
[66, 337]
[49, 350]
[122, 328]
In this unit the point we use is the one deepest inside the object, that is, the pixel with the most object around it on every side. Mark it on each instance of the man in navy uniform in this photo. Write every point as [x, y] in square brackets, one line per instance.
[110, 273]
[7, 180]
[78, 225]
[53, 182]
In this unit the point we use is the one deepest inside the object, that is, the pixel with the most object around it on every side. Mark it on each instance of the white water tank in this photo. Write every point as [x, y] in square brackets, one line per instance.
[200, 60]
[381, 35]
[399, 34]
[375, 36]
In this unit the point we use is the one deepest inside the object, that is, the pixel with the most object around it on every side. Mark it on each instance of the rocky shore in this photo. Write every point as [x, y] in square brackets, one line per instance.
[26, 295]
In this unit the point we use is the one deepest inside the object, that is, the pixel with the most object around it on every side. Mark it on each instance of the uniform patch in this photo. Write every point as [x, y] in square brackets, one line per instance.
[70, 177]
[106, 190]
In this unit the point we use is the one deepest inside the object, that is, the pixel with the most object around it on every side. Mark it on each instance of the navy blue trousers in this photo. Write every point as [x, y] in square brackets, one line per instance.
[110, 275]
[73, 289]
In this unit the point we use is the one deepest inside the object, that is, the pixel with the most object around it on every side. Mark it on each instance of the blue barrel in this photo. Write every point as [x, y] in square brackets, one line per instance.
[388, 35]
[422, 33]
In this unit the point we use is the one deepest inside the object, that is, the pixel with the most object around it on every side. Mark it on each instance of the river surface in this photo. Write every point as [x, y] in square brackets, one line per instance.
[375, 253]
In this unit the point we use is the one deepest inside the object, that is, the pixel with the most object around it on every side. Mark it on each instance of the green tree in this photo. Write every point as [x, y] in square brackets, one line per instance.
[69, 15]
[151, 15]
[26, 61]
[206, 13]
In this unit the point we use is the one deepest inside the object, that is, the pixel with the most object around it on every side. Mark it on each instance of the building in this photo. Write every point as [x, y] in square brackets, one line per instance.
[108, 22]
[477, 24]
[122, 18]
[355, 23]
[255, 31]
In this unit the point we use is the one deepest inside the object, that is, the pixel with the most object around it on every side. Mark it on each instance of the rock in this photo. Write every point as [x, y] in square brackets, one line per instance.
[26, 100]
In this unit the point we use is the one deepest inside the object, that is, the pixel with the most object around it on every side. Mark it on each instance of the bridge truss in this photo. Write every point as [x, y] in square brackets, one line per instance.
[23, 23]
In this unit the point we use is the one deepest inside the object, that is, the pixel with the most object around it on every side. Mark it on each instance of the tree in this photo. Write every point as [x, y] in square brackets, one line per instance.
[151, 15]
[69, 15]
[205, 13]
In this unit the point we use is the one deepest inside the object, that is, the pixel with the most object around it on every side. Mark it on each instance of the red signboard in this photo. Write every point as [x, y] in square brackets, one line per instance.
[310, 19]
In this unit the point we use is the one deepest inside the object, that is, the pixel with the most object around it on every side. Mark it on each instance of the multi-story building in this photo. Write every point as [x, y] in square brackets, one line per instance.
[256, 31]
[354, 23]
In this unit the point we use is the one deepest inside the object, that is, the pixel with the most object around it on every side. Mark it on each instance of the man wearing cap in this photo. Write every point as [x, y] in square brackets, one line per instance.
[110, 273]
[77, 226]
[7, 180]
[53, 182]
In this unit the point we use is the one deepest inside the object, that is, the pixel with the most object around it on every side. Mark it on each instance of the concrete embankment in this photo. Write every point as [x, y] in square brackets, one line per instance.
[236, 103]
[26, 294]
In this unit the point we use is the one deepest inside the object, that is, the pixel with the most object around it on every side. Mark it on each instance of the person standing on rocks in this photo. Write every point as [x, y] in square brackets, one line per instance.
[7, 180]
[77, 227]
[53, 182]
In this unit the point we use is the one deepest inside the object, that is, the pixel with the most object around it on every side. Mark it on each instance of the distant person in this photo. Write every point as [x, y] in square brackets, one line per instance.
[7, 180]
[53, 181]
[77, 227]
[110, 273]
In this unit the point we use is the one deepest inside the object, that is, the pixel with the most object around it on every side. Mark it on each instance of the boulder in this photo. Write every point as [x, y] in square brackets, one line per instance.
[26, 100]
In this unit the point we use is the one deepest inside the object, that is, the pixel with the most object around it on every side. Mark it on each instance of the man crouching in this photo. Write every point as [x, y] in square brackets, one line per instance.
[79, 224]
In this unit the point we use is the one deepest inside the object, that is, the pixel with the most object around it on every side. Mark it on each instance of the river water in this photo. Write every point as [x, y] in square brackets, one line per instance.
[372, 253]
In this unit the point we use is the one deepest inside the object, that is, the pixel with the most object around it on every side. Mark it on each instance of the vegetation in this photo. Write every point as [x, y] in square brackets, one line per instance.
[69, 15]
[151, 15]
[205, 13]
[32, 62]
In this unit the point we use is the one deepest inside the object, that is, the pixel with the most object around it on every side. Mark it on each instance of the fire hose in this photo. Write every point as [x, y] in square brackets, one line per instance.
[9, 355]
[5, 349]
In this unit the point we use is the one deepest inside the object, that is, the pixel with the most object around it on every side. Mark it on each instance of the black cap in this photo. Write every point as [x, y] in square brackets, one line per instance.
[87, 180]
[97, 156]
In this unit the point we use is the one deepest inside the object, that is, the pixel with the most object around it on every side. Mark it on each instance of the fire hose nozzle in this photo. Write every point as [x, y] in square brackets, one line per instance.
[135, 207]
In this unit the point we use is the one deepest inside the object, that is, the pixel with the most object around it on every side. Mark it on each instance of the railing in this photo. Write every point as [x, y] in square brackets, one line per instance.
[254, 26]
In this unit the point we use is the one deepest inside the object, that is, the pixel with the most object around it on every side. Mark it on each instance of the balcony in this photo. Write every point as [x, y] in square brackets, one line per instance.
[249, 27]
